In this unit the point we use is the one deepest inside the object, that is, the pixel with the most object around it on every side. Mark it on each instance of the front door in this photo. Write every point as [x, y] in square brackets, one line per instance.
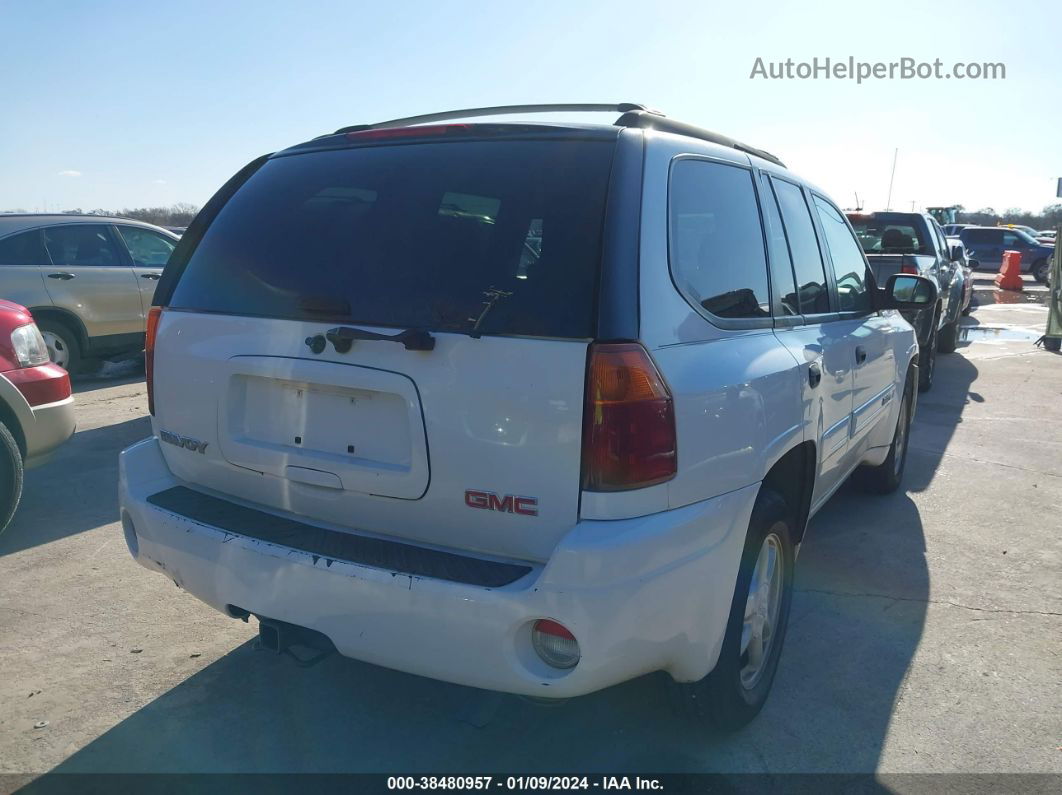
[149, 252]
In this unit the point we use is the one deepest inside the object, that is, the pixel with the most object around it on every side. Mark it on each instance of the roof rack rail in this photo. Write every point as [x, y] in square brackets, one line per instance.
[500, 110]
[634, 115]
[657, 121]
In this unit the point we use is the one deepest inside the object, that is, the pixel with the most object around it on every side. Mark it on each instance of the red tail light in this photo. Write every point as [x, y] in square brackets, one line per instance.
[154, 314]
[629, 424]
[908, 267]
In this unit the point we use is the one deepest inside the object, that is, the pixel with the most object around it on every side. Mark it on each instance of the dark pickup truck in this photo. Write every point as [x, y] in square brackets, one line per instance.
[915, 243]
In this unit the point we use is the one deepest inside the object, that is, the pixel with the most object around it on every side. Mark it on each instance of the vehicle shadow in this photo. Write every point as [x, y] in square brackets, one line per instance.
[844, 662]
[76, 490]
[938, 416]
[857, 619]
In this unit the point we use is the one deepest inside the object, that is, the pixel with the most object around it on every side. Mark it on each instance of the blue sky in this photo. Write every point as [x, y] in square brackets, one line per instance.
[121, 104]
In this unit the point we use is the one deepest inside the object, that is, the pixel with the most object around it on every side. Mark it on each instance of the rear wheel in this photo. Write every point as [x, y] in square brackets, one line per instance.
[948, 338]
[1041, 270]
[63, 347]
[927, 361]
[886, 477]
[732, 694]
[10, 476]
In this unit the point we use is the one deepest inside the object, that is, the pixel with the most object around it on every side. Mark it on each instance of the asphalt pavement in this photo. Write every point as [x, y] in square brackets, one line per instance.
[924, 637]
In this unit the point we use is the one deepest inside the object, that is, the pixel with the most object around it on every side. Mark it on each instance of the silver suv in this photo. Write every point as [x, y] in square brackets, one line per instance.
[530, 407]
[87, 279]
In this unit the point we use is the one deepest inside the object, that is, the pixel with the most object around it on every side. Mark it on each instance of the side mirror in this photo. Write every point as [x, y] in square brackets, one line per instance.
[956, 253]
[906, 291]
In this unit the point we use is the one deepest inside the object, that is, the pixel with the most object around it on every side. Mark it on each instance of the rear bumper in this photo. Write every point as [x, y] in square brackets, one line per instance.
[640, 595]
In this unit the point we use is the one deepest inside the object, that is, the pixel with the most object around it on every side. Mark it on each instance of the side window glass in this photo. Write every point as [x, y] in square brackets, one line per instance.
[81, 244]
[945, 249]
[148, 249]
[717, 248]
[812, 292]
[1011, 240]
[849, 267]
[23, 249]
[781, 262]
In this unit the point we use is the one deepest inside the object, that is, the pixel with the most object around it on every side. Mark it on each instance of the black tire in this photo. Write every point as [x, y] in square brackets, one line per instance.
[65, 337]
[10, 476]
[887, 476]
[1041, 270]
[1053, 344]
[948, 338]
[721, 699]
[927, 360]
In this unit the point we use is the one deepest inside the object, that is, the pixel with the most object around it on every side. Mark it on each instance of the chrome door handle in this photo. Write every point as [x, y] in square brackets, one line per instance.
[61, 275]
[153, 276]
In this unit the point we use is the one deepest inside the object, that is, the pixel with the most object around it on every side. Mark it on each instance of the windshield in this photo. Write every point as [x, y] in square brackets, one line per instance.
[881, 235]
[477, 237]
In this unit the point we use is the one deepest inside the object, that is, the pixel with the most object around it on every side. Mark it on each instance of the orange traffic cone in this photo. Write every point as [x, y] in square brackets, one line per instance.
[1009, 276]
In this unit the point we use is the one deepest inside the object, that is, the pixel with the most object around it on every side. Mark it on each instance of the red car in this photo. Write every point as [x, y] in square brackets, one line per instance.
[36, 404]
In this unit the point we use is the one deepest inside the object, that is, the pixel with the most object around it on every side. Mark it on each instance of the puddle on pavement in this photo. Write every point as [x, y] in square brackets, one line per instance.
[997, 334]
[993, 295]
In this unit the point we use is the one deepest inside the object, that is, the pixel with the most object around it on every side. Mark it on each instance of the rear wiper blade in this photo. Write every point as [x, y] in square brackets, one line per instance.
[343, 337]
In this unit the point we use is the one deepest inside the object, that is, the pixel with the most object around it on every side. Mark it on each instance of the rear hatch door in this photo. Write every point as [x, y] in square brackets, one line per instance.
[480, 245]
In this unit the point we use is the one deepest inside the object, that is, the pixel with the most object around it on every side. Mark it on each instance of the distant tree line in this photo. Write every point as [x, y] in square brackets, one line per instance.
[180, 214]
[1049, 218]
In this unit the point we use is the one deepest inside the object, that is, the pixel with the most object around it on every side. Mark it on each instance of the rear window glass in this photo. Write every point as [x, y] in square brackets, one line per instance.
[23, 249]
[879, 234]
[490, 237]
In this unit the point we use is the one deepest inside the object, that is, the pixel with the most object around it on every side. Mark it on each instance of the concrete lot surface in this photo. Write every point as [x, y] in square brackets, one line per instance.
[926, 631]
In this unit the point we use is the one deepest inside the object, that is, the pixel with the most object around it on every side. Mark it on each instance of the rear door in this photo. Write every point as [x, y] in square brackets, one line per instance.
[472, 440]
[823, 347]
[89, 277]
[21, 258]
[148, 251]
[985, 246]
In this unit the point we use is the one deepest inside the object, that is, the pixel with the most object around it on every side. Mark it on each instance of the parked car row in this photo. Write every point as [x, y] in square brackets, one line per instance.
[914, 243]
[88, 280]
[628, 430]
[987, 244]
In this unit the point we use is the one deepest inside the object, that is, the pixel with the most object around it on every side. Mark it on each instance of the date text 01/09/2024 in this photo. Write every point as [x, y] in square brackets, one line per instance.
[522, 783]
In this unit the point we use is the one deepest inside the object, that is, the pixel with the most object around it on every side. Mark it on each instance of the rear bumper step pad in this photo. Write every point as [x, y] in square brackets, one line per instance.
[334, 545]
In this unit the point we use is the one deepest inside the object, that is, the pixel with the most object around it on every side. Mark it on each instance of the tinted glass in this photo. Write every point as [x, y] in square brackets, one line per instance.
[717, 253]
[990, 237]
[849, 267]
[885, 233]
[23, 249]
[81, 244]
[804, 247]
[148, 249]
[494, 237]
[1017, 240]
[781, 262]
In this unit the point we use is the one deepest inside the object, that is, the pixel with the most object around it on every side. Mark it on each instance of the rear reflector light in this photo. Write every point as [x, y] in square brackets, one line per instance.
[629, 422]
[408, 132]
[554, 644]
[154, 314]
[909, 267]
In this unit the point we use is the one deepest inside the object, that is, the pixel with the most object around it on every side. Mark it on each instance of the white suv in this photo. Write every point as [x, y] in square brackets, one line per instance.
[536, 408]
